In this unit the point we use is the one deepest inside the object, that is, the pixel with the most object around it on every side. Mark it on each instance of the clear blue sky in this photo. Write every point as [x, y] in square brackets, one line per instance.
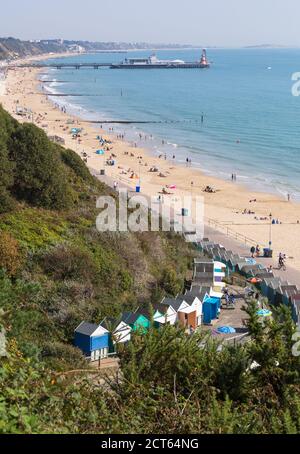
[203, 22]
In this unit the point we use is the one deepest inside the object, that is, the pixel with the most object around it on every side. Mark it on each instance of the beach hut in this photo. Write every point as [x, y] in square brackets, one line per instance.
[267, 285]
[92, 340]
[239, 265]
[200, 290]
[295, 303]
[250, 270]
[187, 316]
[219, 275]
[167, 312]
[203, 271]
[137, 321]
[175, 305]
[193, 314]
[283, 294]
[120, 332]
[274, 290]
[211, 309]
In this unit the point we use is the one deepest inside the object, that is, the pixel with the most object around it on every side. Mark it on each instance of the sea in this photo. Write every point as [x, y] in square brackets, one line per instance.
[239, 116]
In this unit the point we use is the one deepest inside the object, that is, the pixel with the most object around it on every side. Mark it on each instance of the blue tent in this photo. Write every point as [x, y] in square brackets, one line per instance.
[101, 152]
[226, 330]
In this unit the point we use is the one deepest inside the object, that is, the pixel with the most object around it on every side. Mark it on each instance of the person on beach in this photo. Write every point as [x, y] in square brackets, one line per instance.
[270, 269]
[252, 251]
[257, 250]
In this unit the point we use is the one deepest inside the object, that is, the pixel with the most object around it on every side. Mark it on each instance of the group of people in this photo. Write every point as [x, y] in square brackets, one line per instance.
[209, 189]
[255, 251]
[281, 261]
[229, 297]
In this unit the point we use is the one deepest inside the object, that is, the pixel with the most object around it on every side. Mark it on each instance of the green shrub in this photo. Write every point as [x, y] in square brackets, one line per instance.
[72, 160]
[38, 175]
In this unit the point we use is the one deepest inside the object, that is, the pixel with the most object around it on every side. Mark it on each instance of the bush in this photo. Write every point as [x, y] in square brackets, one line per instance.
[10, 257]
[6, 173]
[68, 263]
[72, 160]
[170, 282]
[38, 177]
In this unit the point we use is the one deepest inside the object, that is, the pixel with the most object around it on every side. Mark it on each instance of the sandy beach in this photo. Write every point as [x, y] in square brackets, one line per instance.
[232, 208]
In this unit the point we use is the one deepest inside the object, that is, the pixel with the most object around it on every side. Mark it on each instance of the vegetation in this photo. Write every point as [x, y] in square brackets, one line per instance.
[12, 48]
[57, 270]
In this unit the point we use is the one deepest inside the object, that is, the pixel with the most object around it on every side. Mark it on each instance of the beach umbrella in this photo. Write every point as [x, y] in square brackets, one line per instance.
[264, 313]
[101, 152]
[255, 280]
[226, 330]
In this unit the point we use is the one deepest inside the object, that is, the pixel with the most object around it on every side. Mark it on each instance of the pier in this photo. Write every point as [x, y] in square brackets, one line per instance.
[61, 65]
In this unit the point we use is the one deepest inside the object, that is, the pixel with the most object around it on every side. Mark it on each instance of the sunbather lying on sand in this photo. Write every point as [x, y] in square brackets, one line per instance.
[210, 190]
[164, 191]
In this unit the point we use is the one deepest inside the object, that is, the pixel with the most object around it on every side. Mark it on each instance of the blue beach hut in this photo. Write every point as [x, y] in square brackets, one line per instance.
[92, 340]
[211, 309]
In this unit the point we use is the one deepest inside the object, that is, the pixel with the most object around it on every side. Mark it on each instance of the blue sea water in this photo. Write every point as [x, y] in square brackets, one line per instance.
[251, 120]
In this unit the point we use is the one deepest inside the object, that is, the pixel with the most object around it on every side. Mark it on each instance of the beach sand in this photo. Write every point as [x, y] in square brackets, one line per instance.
[223, 209]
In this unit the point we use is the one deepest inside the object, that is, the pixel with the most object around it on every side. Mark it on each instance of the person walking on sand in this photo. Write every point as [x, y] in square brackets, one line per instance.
[257, 250]
[252, 250]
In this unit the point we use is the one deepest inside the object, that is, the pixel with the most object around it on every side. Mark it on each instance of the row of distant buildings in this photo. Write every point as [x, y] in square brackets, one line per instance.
[200, 304]
[275, 289]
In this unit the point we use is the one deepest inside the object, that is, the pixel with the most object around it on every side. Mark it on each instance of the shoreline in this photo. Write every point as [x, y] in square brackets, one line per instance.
[155, 148]
[223, 209]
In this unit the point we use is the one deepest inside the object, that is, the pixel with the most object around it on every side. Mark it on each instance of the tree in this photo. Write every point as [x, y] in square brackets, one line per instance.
[170, 281]
[6, 169]
[38, 178]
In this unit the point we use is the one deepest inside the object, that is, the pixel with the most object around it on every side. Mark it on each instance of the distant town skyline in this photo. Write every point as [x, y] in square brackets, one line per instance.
[230, 23]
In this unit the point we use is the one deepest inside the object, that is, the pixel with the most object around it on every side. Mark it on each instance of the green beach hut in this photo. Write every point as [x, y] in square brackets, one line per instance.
[136, 321]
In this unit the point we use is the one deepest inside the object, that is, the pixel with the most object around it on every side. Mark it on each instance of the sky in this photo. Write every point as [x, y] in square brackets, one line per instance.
[225, 23]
